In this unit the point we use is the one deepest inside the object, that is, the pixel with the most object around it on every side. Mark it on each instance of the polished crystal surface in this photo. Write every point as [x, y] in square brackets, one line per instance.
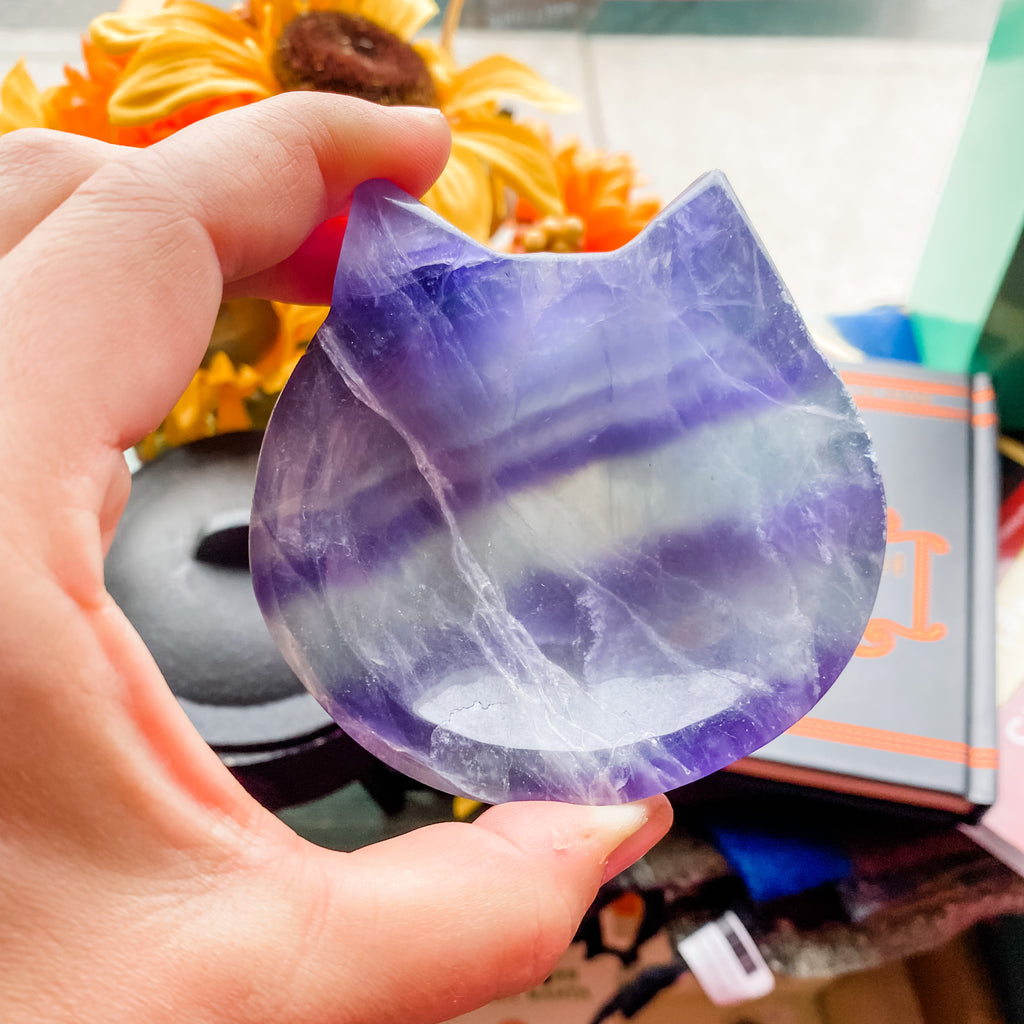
[579, 527]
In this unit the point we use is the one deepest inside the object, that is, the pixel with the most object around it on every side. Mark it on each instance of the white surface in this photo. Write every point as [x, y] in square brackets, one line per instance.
[838, 148]
[45, 50]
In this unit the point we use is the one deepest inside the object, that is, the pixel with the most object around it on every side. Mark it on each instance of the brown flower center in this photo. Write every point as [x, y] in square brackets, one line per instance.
[329, 51]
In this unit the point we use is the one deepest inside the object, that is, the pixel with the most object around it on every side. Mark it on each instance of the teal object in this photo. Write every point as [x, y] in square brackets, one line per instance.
[877, 19]
[977, 228]
[1000, 349]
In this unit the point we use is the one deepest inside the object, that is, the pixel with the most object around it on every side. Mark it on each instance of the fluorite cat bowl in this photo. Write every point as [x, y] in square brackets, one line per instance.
[575, 527]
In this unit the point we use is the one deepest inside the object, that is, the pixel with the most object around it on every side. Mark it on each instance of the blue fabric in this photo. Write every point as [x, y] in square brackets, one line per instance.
[884, 332]
[775, 862]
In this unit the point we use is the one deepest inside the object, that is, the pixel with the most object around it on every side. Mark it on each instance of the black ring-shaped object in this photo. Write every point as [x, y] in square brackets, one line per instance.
[178, 567]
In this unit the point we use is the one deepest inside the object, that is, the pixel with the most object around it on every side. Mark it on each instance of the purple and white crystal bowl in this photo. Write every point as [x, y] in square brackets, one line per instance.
[581, 527]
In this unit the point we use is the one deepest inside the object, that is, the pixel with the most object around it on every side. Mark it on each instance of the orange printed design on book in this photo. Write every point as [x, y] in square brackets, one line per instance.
[895, 742]
[984, 396]
[881, 634]
[937, 399]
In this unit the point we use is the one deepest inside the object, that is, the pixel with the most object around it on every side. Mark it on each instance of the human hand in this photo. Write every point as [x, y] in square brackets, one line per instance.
[138, 881]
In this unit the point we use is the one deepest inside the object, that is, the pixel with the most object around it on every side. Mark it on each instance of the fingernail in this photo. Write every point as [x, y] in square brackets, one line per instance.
[633, 829]
[428, 115]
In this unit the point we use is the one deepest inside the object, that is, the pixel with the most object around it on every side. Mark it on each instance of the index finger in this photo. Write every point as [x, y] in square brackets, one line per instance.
[125, 276]
[108, 304]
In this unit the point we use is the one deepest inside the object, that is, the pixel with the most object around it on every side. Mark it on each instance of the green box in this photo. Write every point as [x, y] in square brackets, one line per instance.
[967, 301]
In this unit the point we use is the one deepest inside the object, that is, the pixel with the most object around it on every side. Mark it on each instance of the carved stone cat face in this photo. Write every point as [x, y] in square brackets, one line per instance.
[576, 527]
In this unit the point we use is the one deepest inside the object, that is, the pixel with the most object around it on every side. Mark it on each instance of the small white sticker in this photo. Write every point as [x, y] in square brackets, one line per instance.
[726, 962]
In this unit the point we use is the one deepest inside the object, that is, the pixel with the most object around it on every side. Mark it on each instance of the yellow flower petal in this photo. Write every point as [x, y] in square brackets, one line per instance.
[225, 388]
[150, 446]
[276, 379]
[269, 14]
[463, 807]
[440, 67]
[175, 69]
[500, 77]
[499, 197]
[231, 413]
[187, 420]
[518, 154]
[223, 371]
[21, 104]
[118, 34]
[462, 195]
[299, 323]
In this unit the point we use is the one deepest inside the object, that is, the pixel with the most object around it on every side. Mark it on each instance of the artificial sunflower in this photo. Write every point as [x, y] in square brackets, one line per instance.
[157, 66]
[189, 53]
[601, 213]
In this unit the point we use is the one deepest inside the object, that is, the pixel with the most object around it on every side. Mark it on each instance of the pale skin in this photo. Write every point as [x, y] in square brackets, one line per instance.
[138, 882]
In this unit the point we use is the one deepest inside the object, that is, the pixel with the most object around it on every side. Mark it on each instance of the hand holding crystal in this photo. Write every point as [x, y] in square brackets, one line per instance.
[140, 883]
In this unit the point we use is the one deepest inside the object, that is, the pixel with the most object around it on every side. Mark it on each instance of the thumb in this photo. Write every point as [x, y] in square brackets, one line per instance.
[442, 920]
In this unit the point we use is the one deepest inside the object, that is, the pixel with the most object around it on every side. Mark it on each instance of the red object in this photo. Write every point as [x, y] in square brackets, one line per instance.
[1011, 524]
